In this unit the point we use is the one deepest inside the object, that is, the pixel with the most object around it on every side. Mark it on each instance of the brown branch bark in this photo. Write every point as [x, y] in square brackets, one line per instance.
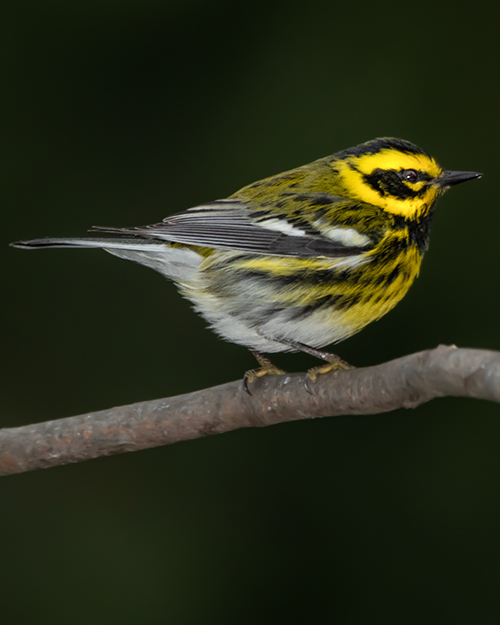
[406, 382]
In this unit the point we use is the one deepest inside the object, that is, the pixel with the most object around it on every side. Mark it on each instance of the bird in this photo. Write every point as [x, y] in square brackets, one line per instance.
[302, 259]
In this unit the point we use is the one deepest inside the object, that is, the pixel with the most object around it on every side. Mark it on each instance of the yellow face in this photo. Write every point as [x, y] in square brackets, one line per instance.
[401, 183]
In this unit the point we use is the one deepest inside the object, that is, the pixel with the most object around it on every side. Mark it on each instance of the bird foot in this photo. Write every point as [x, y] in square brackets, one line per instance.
[266, 368]
[334, 364]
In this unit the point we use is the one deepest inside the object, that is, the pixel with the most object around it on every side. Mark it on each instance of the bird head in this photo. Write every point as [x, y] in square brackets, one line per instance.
[394, 175]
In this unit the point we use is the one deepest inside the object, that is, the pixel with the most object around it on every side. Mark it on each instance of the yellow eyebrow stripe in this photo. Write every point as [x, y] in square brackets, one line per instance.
[389, 159]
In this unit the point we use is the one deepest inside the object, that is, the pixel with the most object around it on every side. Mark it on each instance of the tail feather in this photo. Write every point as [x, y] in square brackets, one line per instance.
[135, 243]
[176, 263]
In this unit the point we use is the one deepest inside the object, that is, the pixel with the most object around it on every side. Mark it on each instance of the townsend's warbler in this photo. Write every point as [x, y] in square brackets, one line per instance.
[302, 259]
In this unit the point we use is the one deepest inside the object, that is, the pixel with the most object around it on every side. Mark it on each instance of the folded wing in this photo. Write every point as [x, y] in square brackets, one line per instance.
[227, 224]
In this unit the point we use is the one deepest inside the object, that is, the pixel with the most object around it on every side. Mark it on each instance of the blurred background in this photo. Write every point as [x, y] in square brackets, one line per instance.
[119, 112]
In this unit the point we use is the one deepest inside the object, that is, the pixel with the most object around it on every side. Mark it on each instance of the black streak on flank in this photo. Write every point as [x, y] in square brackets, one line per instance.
[392, 276]
[390, 251]
[338, 302]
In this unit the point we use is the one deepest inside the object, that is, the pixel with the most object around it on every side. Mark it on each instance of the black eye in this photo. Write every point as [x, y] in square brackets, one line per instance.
[410, 175]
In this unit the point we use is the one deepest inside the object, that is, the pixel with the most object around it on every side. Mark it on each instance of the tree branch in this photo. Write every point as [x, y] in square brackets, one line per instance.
[406, 382]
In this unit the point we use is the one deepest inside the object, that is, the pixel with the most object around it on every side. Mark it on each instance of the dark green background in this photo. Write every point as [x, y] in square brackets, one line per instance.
[120, 112]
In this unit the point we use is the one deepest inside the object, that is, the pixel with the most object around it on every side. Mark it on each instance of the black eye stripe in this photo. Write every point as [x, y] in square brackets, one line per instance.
[389, 182]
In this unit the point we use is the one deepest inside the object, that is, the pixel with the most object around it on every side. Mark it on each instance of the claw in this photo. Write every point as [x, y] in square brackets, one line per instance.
[307, 385]
[246, 382]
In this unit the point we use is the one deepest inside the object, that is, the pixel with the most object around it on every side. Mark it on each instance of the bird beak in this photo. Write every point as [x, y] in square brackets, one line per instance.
[450, 178]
